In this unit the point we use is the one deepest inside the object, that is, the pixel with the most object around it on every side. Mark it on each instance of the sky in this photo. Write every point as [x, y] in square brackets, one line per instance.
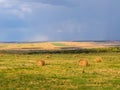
[59, 20]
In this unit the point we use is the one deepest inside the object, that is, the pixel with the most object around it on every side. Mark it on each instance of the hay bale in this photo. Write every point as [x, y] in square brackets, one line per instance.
[27, 56]
[40, 62]
[47, 56]
[1, 55]
[76, 55]
[98, 59]
[83, 63]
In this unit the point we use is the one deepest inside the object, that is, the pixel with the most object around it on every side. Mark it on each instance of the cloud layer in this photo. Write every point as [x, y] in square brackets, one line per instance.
[41, 20]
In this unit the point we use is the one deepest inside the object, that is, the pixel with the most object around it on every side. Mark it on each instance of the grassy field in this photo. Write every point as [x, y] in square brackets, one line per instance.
[52, 45]
[61, 72]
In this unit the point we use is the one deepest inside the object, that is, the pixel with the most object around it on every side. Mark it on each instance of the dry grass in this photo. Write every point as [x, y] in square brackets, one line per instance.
[27, 46]
[47, 45]
[84, 44]
[61, 72]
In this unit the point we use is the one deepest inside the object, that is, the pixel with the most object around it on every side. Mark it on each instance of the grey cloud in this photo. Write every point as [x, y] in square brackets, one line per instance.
[11, 21]
[62, 20]
[69, 3]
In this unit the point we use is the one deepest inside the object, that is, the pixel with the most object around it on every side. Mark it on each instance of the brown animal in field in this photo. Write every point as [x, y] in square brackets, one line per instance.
[40, 62]
[98, 59]
[83, 62]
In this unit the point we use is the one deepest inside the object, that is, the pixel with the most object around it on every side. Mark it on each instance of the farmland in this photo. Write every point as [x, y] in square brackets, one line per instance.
[55, 45]
[19, 71]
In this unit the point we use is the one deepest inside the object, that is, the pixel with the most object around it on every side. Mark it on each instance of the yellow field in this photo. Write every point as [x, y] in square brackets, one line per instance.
[49, 45]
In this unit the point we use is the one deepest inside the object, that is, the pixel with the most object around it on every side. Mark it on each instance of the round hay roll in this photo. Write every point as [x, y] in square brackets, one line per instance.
[83, 63]
[1, 55]
[98, 59]
[27, 56]
[40, 62]
[47, 56]
[76, 55]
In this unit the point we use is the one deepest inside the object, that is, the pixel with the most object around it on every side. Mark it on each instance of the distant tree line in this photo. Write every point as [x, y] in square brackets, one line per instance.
[93, 50]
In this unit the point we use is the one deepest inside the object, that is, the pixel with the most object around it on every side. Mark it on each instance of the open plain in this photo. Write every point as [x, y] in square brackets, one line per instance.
[19, 71]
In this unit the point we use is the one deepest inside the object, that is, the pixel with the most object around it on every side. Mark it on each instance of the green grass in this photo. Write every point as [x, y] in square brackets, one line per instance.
[59, 44]
[61, 72]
